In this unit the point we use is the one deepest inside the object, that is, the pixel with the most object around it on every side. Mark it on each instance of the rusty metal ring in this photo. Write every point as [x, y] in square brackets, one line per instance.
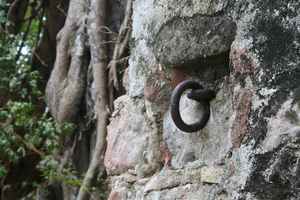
[198, 94]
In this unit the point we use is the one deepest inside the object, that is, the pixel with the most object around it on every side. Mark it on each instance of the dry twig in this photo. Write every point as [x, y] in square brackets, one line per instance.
[120, 46]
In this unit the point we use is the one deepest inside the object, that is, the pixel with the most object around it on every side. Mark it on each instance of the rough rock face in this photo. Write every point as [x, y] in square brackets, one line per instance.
[184, 40]
[128, 140]
[249, 53]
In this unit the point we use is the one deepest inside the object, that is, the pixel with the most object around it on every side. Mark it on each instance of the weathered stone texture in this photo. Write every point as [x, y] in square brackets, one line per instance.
[208, 145]
[185, 40]
[241, 121]
[249, 52]
[127, 138]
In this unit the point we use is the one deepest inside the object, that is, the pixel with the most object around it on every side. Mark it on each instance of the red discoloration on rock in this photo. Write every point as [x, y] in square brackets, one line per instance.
[127, 136]
[114, 196]
[166, 155]
[241, 121]
[159, 85]
[242, 61]
[111, 161]
[116, 156]
[153, 90]
[177, 75]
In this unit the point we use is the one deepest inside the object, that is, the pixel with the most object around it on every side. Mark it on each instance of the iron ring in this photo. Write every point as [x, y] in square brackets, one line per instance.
[198, 94]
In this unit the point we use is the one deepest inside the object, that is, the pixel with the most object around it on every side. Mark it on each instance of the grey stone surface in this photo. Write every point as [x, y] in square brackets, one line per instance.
[212, 174]
[128, 136]
[249, 149]
[186, 192]
[209, 145]
[185, 40]
[172, 178]
[140, 59]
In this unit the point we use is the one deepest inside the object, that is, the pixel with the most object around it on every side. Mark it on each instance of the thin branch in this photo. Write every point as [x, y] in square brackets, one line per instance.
[29, 146]
[61, 10]
[40, 27]
[40, 59]
[23, 39]
[124, 44]
[121, 44]
[35, 13]
[107, 30]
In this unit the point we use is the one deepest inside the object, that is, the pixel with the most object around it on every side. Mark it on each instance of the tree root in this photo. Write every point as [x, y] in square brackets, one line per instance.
[98, 48]
[66, 84]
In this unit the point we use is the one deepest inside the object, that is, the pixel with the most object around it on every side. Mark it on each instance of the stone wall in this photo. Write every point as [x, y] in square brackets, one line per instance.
[249, 53]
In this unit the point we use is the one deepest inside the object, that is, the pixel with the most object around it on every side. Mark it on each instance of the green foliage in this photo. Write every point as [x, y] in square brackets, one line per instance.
[22, 132]
[2, 171]
[25, 75]
[25, 128]
[6, 60]
[17, 77]
[2, 11]
[52, 171]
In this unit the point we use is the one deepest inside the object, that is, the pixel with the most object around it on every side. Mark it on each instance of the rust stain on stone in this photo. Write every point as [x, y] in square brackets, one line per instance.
[160, 83]
[166, 155]
[153, 90]
[177, 76]
[114, 196]
[241, 121]
[242, 61]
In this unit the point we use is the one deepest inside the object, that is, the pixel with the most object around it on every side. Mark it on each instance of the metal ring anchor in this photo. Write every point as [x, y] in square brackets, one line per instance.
[197, 93]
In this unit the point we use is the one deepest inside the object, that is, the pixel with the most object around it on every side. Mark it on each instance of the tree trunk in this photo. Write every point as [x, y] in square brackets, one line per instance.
[246, 51]
[99, 60]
